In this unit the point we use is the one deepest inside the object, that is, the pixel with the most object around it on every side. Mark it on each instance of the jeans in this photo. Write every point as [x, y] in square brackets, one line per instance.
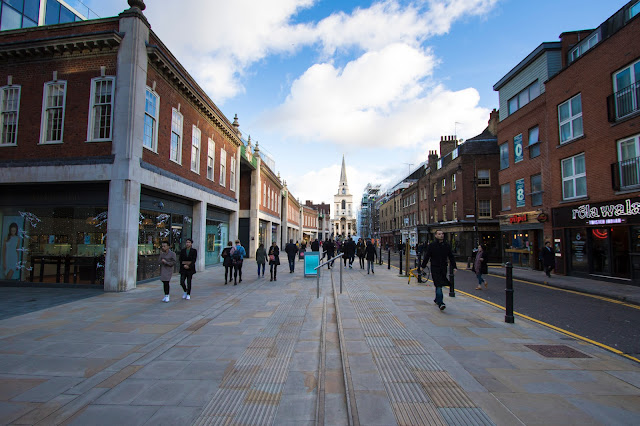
[186, 277]
[439, 300]
[480, 279]
[292, 263]
[361, 262]
[370, 264]
[228, 271]
[237, 270]
[273, 268]
[166, 287]
[263, 266]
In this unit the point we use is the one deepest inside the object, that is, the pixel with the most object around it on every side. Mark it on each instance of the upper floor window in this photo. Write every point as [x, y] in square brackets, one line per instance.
[484, 177]
[534, 142]
[484, 208]
[101, 109]
[232, 174]
[628, 166]
[583, 47]
[175, 153]
[151, 107]
[444, 185]
[9, 109]
[505, 194]
[574, 177]
[454, 211]
[211, 158]
[504, 155]
[536, 190]
[634, 10]
[453, 182]
[531, 92]
[435, 215]
[454, 154]
[53, 107]
[570, 119]
[195, 149]
[444, 213]
[626, 85]
[439, 164]
[223, 167]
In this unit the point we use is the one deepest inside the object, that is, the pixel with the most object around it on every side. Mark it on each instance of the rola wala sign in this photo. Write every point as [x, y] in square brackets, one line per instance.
[609, 213]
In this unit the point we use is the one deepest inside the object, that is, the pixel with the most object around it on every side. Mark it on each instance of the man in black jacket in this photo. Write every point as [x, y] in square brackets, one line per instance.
[291, 251]
[315, 245]
[548, 258]
[188, 257]
[330, 248]
[438, 252]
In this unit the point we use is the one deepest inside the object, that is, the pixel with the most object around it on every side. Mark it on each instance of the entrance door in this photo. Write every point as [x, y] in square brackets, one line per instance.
[600, 259]
[577, 240]
[620, 261]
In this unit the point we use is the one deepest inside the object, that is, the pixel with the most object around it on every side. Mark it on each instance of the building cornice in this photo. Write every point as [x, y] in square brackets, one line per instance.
[61, 46]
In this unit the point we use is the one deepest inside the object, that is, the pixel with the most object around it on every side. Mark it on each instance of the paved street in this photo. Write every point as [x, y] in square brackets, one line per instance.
[272, 353]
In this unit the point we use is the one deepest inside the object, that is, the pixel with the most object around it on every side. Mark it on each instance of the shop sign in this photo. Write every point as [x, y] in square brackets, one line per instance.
[520, 201]
[608, 213]
[517, 149]
[586, 211]
[518, 218]
[543, 217]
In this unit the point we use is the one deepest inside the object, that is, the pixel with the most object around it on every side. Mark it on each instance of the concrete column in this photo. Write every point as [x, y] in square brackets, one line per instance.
[199, 232]
[254, 208]
[124, 187]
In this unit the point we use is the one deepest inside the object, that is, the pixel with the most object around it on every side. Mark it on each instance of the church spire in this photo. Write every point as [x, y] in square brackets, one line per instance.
[343, 173]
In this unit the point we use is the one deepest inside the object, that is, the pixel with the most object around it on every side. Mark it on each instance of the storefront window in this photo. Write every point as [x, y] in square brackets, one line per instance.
[517, 247]
[578, 252]
[217, 238]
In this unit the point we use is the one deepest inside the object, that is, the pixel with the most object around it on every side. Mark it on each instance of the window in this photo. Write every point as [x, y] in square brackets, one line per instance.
[628, 164]
[454, 154]
[534, 142]
[524, 97]
[435, 215]
[634, 10]
[444, 185]
[9, 109]
[484, 178]
[151, 107]
[570, 119]
[53, 106]
[101, 109]
[223, 167]
[453, 182]
[484, 208]
[574, 177]
[626, 85]
[195, 149]
[454, 211]
[211, 158]
[505, 193]
[264, 195]
[583, 47]
[439, 164]
[232, 174]
[504, 156]
[536, 190]
[444, 213]
[176, 136]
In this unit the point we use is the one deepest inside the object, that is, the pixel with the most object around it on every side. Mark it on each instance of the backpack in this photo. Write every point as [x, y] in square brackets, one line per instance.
[236, 256]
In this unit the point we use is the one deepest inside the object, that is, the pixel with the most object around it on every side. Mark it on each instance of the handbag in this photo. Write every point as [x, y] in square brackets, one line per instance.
[271, 258]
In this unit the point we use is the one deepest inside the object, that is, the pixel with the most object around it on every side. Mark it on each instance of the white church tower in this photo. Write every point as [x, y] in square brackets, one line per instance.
[344, 220]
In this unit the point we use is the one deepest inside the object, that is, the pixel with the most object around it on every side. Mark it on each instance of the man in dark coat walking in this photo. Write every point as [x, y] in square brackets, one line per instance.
[548, 258]
[291, 250]
[188, 257]
[439, 252]
[315, 245]
[330, 248]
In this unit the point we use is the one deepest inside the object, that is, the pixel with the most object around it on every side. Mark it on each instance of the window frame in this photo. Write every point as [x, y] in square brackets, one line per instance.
[444, 185]
[488, 179]
[583, 46]
[92, 108]
[570, 120]
[454, 184]
[154, 136]
[506, 150]
[176, 113]
[43, 120]
[4, 113]
[454, 210]
[196, 148]
[502, 196]
[517, 97]
[232, 173]
[211, 157]
[574, 177]
[634, 79]
[480, 215]
[223, 168]
[534, 194]
[535, 146]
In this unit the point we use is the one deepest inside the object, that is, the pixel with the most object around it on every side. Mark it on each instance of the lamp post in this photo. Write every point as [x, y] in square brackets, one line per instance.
[475, 203]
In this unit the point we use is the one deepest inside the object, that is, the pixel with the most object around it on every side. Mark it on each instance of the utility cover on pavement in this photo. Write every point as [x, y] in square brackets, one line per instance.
[557, 351]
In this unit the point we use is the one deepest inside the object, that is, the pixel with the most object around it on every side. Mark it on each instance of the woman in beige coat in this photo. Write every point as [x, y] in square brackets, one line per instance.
[167, 260]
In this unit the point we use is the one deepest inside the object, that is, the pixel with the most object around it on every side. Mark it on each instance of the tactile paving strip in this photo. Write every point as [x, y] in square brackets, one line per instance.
[251, 391]
[420, 392]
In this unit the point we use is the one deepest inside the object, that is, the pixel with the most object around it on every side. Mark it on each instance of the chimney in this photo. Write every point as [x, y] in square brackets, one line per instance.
[432, 160]
[493, 122]
[447, 144]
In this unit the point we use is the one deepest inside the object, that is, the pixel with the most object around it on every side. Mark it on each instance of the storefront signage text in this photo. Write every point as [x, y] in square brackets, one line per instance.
[606, 221]
[518, 218]
[586, 211]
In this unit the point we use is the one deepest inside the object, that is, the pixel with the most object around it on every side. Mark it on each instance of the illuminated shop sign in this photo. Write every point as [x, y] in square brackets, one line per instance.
[625, 211]
[518, 218]
[586, 211]
[606, 221]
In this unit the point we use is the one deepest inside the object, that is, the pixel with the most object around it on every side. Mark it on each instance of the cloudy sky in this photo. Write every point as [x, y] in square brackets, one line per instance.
[376, 81]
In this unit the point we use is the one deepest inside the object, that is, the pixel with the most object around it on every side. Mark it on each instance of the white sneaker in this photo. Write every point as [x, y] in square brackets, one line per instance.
[188, 297]
[184, 296]
[166, 298]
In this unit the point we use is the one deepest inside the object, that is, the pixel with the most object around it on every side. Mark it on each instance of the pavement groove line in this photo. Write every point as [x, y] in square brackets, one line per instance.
[250, 392]
[321, 366]
[419, 390]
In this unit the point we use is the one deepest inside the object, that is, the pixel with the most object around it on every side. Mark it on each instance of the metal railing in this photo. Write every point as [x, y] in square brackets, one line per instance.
[624, 102]
[319, 268]
[625, 174]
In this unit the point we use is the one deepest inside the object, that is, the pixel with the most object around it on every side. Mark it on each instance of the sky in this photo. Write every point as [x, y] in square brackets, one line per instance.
[376, 81]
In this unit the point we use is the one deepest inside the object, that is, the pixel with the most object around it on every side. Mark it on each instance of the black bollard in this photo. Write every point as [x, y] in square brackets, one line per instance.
[389, 259]
[418, 266]
[380, 256]
[452, 285]
[508, 317]
[400, 253]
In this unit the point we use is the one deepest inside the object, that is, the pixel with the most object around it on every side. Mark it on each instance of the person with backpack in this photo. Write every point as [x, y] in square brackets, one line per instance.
[227, 262]
[238, 253]
[261, 258]
[188, 257]
[274, 260]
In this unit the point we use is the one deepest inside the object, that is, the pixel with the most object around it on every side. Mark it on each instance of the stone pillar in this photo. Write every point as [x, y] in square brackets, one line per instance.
[124, 187]
[199, 232]
[254, 208]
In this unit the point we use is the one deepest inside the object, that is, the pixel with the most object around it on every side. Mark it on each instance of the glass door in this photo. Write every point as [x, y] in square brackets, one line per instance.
[578, 259]
[600, 259]
[620, 260]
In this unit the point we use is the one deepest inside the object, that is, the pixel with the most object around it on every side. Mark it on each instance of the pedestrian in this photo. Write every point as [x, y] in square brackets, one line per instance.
[315, 245]
[360, 251]
[350, 252]
[291, 250]
[330, 250]
[439, 251]
[480, 266]
[188, 257]
[227, 262]
[167, 260]
[274, 260]
[238, 254]
[548, 258]
[261, 258]
[371, 255]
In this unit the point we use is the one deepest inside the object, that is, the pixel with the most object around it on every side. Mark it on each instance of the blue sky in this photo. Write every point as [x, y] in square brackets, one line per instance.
[377, 81]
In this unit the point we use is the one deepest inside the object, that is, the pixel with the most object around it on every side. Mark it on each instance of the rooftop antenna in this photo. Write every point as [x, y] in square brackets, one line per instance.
[409, 164]
[455, 128]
